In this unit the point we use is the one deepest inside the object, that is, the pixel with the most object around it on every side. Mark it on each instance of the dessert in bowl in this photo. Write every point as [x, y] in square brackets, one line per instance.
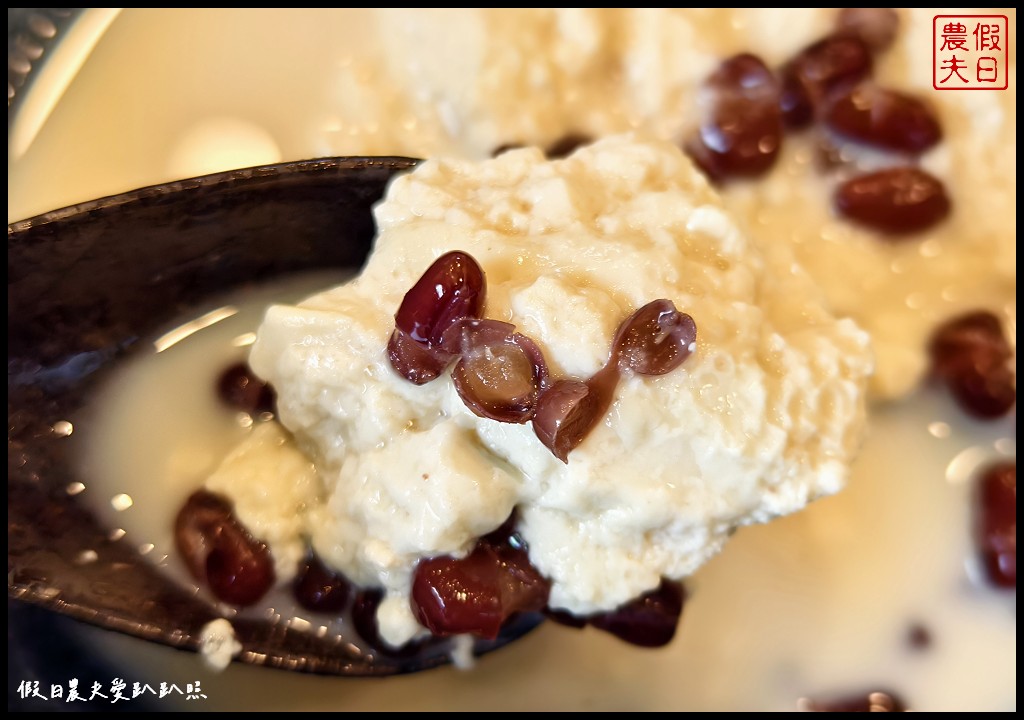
[627, 460]
[901, 292]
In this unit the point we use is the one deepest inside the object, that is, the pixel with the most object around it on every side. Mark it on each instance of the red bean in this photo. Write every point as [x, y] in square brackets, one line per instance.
[883, 118]
[499, 373]
[996, 525]
[648, 621]
[971, 356]
[319, 588]
[654, 340]
[825, 67]
[896, 201]
[478, 593]
[219, 551]
[451, 289]
[569, 410]
[741, 131]
[416, 361]
[239, 388]
[364, 615]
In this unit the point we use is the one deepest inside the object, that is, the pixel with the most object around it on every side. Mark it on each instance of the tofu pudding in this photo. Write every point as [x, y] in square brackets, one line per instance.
[762, 415]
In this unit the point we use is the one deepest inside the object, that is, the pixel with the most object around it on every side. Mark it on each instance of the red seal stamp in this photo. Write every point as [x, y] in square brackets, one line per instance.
[970, 52]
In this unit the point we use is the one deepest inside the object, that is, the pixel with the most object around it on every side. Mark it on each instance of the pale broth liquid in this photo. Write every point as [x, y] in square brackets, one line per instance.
[876, 588]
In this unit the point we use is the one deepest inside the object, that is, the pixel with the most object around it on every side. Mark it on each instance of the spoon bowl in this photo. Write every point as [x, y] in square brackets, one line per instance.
[87, 285]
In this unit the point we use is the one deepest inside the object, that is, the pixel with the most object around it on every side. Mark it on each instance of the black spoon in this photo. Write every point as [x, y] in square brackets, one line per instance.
[85, 285]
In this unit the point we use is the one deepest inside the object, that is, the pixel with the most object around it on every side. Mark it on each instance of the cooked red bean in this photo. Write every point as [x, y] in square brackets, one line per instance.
[654, 340]
[239, 388]
[984, 388]
[195, 526]
[648, 621]
[478, 593]
[971, 356]
[569, 410]
[416, 361]
[740, 133]
[883, 118]
[219, 551]
[876, 27]
[895, 201]
[364, 614]
[825, 67]
[452, 289]
[319, 588]
[996, 525]
[958, 337]
[499, 373]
